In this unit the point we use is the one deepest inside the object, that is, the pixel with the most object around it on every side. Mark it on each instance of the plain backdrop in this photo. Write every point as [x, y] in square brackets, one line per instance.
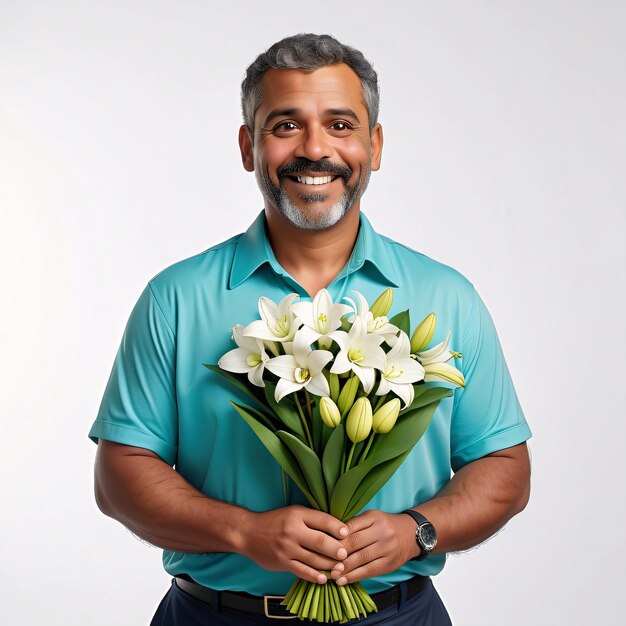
[504, 157]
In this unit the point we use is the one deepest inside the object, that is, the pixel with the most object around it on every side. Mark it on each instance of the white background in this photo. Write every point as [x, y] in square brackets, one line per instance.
[504, 157]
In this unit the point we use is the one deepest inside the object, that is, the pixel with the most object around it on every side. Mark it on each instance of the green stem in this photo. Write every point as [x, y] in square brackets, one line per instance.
[379, 403]
[307, 395]
[285, 486]
[303, 419]
[367, 448]
[350, 456]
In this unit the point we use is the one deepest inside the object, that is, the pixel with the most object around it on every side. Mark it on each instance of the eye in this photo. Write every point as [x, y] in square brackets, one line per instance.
[285, 127]
[341, 127]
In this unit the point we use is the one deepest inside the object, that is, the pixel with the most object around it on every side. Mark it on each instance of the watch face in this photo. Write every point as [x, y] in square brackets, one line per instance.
[428, 536]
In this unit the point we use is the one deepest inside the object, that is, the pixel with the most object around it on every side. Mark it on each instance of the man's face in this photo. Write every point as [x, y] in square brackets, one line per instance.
[312, 151]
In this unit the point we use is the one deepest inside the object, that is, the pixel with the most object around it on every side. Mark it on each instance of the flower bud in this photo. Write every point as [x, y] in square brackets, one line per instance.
[382, 304]
[435, 372]
[385, 418]
[329, 412]
[423, 333]
[347, 395]
[333, 383]
[359, 422]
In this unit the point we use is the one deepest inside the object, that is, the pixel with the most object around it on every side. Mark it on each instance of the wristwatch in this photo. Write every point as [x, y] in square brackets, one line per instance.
[425, 535]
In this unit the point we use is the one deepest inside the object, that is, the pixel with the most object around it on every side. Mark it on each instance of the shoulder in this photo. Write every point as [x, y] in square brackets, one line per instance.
[414, 267]
[203, 266]
[193, 278]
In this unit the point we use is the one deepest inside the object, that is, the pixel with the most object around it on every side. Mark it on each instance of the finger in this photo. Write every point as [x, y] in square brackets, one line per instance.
[325, 522]
[302, 570]
[369, 570]
[360, 539]
[323, 544]
[315, 560]
[360, 522]
[370, 549]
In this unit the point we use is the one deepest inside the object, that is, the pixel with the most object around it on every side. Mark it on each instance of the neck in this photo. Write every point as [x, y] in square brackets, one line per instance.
[313, 257]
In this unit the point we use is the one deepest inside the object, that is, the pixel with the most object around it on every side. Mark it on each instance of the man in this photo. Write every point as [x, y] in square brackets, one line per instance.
[312, 138]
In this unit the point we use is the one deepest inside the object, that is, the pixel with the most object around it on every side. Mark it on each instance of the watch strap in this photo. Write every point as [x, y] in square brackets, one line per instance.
[420, 519]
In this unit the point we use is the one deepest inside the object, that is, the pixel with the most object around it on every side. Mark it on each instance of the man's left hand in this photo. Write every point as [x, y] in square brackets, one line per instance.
[377, 543]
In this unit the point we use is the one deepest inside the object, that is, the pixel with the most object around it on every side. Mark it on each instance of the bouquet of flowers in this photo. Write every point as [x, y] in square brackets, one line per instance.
[340, 396]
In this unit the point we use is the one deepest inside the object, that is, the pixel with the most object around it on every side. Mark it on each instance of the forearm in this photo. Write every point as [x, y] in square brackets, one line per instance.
[481, 497]
[155, 502]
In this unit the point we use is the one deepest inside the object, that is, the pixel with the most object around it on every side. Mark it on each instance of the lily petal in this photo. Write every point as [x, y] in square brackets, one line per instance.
[283, 366]
[318, 385]
[342, 364]
[261, 330]
[317, 360]
[405, 392]
[255, 375]
[285, 387]
[235, 361]
[438, 354]
[366, 375]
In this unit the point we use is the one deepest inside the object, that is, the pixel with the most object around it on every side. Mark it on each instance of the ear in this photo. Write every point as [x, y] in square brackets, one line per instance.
[376, 141]
[245, 146]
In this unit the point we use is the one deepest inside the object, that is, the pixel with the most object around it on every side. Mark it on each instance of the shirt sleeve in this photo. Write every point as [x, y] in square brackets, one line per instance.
[139, 404]
[487, 415]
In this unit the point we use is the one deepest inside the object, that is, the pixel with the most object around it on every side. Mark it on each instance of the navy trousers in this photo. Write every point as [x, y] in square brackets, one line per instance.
[178, 608]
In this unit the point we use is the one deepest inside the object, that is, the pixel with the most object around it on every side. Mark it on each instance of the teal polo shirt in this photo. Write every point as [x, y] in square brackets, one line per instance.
[160, 397]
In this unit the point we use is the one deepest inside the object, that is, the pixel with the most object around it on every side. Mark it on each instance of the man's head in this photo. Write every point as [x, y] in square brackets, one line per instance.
[310, 108]
[308, 52]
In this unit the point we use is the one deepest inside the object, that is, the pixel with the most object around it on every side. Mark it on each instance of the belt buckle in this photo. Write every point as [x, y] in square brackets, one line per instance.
[266, 608]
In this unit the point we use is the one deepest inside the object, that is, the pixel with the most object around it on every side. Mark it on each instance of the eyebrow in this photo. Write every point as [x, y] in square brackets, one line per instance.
[291, 112]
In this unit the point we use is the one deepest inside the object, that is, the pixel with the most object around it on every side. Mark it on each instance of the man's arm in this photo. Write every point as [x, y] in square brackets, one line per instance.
[137, 488]
[481, 497]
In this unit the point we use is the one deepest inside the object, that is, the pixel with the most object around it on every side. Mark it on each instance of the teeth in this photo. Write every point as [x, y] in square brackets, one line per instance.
[315, 180]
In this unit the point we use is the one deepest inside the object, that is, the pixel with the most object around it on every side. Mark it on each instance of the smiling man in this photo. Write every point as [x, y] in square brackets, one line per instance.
[180, 469]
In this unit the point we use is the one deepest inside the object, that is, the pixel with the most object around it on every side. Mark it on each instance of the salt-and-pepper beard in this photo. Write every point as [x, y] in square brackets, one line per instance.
[300, 218]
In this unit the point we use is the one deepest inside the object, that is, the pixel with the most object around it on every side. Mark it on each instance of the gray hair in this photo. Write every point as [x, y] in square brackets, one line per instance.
[308, 52]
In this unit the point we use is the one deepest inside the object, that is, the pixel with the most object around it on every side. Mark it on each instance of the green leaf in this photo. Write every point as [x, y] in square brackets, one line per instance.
[317, 429]
[277, 449]
[425, 394]
[285, 410]
[403, 436]
[333, 454]
[375, 480]
[310, 466]
[402, 321]
[260, 416]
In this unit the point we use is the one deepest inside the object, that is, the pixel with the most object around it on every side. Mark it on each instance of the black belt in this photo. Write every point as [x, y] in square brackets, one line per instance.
[270, 606]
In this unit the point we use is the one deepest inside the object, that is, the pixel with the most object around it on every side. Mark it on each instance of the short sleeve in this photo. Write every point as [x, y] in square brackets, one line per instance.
[487, 415]
[139, 404]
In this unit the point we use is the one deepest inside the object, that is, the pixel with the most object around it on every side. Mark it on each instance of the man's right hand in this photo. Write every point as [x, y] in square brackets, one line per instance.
[295, 539]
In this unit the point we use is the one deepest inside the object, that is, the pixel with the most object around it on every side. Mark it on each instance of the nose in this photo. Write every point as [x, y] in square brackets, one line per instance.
[314, 144]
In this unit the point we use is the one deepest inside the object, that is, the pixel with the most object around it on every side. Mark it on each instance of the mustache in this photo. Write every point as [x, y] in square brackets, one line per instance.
[304, 165]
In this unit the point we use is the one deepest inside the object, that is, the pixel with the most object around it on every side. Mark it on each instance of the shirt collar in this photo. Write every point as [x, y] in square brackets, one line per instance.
[254, 250]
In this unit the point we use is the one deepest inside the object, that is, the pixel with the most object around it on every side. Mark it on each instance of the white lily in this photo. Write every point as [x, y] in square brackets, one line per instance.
[436, 366]
[438, 354]
[248, 358]
[375, 325]
[322, 316]
[359, 352]
[301, 369]
[277, 322]
[401, 371]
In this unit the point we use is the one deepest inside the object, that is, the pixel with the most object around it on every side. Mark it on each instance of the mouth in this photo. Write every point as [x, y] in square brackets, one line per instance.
[313, 180]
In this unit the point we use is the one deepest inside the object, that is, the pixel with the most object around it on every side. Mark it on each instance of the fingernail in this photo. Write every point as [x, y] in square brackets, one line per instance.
[339, 566]
[343, 531]
[342, 581]
[342, 553]
[321, 579]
